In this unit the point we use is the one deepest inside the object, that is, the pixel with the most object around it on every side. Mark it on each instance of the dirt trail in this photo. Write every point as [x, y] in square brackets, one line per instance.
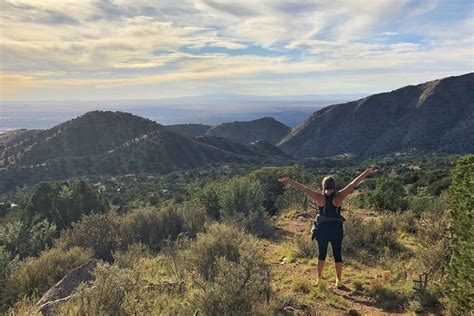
[285, 273]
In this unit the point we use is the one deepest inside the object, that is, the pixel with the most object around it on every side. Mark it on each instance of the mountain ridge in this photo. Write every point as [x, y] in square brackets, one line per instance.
[425, 117]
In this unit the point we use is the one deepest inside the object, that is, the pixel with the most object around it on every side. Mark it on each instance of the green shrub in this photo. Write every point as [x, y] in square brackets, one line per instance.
[389, 194]
[33, 276]
[130, 257]
[23, 239]
[151, 226]
[302, 286]
[358, 286]
[194, 219]
[4, 267]
[271, 188]
[240, 196]
[461, 267]
[62, 203]
[99, 232]
[241, 202]
[369, 234]
[228, 270]
[115, 291]
[304, 247]
[208, 198]
[389, 298]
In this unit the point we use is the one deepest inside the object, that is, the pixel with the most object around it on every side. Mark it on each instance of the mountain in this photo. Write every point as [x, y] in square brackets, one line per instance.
[190, 130]
[258, 148]
[433, 116]
[16, 136]
[267, 129]
[113, 143]
[89, 134]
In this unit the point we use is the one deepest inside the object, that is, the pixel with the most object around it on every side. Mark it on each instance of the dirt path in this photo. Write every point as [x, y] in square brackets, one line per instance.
[296, 275]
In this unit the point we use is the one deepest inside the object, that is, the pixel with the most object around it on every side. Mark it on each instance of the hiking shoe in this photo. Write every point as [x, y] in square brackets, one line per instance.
[339, 284]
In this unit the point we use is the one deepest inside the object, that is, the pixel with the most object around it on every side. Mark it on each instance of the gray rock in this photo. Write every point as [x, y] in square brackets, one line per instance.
[61, 291]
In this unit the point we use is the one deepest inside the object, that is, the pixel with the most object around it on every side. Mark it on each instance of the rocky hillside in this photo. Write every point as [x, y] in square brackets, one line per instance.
[267, 129]
[433, 116]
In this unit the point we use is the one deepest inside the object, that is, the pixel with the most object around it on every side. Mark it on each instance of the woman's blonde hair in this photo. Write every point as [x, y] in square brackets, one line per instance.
[328, 183]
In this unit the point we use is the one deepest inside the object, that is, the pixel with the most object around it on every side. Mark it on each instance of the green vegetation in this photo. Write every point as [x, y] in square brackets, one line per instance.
[461, 266]
[233, 240]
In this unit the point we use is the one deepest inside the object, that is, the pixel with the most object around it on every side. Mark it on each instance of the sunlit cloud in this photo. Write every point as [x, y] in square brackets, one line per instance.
[60, 49]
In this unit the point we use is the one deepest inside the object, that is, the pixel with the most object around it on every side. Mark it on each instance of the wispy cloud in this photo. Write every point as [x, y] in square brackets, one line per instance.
[132, 49]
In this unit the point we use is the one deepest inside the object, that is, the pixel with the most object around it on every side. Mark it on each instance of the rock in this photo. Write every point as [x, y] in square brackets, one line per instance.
[353, 312]
[61, 291]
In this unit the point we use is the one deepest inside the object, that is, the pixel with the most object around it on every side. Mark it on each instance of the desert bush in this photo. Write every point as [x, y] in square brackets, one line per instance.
[405, 221]
[388, 297]
[4, 266]
[240, 195]
[389, 194]
[302, 286]
[25, 239]
[115, 291]
[304, 247]
[34, 276]
[194, 219]
[132, 256]
[228, 270]
[359, 200]
[208, 198]
[99, 232]
[241, 201]
[271, 188]
[369, 234]
[152, 226]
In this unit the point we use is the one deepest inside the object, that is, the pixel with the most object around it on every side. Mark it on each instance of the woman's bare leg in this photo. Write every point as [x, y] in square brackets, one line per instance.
[320, 269]
[338, 266]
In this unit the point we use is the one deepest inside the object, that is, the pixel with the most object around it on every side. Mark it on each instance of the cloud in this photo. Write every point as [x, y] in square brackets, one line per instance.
[132, 46]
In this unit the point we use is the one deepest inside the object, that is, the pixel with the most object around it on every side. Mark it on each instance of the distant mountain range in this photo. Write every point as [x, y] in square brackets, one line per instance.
[266, 128]
[433, 116]
[114, 143]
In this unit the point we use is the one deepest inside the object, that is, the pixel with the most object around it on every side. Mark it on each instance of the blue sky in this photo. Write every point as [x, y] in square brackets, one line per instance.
[118, 49]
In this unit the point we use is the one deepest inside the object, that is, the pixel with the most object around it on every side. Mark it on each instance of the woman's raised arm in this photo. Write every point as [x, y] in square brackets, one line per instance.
[316, 196]
[342, 194]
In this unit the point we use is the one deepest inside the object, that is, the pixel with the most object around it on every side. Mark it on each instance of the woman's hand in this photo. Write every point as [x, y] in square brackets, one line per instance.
[284, 179]
[370, 171]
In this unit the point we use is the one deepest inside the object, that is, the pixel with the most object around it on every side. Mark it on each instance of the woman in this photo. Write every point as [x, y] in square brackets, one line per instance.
[329, 220]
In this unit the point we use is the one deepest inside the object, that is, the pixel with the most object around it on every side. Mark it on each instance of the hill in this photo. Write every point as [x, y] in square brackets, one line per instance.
[16, 136]
[267, 129]
[190, 130]
[433, 116]
[89, 134]
[114, 143]
[258, 148]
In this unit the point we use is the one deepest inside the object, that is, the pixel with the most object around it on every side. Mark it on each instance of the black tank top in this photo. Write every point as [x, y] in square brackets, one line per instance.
[329, 209]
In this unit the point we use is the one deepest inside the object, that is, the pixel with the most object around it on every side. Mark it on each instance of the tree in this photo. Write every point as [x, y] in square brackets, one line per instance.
[389, 194]
[63, 203]
[461, 266]
[271, 188]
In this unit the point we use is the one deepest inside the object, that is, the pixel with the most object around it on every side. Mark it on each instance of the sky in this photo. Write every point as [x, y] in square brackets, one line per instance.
[145, 49]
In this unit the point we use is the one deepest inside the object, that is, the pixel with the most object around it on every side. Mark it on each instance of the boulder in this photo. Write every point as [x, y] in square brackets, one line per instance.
[61, 291]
